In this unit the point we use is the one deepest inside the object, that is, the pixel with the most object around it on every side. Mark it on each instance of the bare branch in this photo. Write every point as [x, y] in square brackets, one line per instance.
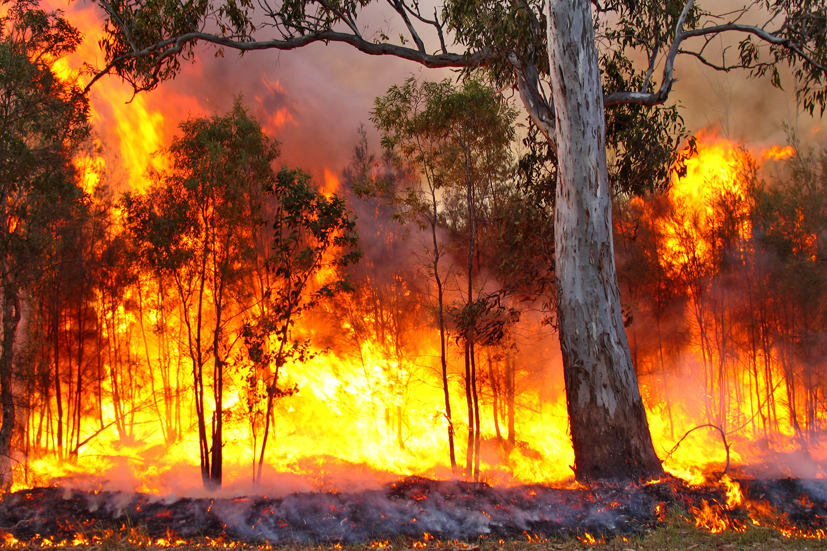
[723, 67]
[343, 16]
[538, 107]
[707, 34]
[669, 67]
[659, 97]
[767, 36]
[640, 98]
[727, 445]
[439, 32]
[399, 7]
[114, 15]
[653, 58]
[173, 46]
[434, 23]
[764, 35]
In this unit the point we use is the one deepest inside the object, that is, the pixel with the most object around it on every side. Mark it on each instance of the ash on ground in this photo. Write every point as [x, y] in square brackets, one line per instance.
[410, 508]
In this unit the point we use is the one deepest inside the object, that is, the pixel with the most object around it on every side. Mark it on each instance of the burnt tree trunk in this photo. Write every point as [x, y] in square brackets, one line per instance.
[11, 319]
[469, 402]
[476, 397]
[495, 397]
[443, 352]
[217, 443]
[510, 398]
[55, 325]
[609, 429]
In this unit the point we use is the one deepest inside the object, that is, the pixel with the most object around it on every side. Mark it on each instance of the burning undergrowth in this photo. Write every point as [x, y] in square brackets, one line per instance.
[412, 508]
[794, 507]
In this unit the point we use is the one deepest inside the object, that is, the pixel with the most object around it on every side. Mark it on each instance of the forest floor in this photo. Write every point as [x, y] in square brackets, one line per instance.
[677, 533]
[655, 517]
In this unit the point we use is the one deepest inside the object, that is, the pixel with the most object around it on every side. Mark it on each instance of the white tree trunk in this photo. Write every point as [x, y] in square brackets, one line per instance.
[608, 422]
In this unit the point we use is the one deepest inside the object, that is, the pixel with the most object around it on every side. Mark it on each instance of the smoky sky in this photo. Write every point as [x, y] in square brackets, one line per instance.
[314, 99]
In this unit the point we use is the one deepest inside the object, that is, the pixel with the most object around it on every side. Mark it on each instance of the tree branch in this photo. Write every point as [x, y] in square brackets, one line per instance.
[172, 46]
[659, 97]
[538, 107]
[727, 445]
[723, 68]
[764, 35]
[399, 7]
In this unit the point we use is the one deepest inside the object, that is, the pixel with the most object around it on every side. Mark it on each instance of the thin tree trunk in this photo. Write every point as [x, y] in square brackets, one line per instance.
[399, 440]
[510, 399]
[443, 356]
[609, 430]
[495, 413]
[151, 374]
[11, 319]
[469, 402]
[56, 353]
[216, 450]
[271, 390]
[470, 335]
[477, 430]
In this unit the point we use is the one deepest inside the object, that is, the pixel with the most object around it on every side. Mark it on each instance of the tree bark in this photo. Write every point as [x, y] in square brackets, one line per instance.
[609, 429]
[11, 319]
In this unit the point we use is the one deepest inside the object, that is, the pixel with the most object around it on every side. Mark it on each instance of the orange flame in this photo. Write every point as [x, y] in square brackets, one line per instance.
[778, 153]
[331, 182]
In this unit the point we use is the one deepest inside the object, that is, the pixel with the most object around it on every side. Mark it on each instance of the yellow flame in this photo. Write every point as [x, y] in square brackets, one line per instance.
[778, 153]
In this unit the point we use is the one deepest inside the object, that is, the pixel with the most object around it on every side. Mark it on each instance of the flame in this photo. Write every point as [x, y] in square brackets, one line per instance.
[710, 517]
[91, 166]
[272, 114]
[711, 176]
[591, 540]
[281, 117]
[361, 415]
[778, 153]
[331, 182]
[131, 124]
[707, 383]
[734, 495]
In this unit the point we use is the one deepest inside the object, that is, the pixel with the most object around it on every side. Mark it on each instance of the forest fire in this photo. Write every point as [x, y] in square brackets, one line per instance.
[335, 390]
[142, 375]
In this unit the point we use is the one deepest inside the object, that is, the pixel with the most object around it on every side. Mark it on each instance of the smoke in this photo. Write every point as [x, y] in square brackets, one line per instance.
[305, 99]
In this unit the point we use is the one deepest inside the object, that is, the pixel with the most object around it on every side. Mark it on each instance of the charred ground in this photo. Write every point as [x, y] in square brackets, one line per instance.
[413, 510]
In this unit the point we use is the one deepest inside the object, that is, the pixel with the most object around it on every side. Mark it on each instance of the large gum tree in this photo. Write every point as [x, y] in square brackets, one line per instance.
[548, 51]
